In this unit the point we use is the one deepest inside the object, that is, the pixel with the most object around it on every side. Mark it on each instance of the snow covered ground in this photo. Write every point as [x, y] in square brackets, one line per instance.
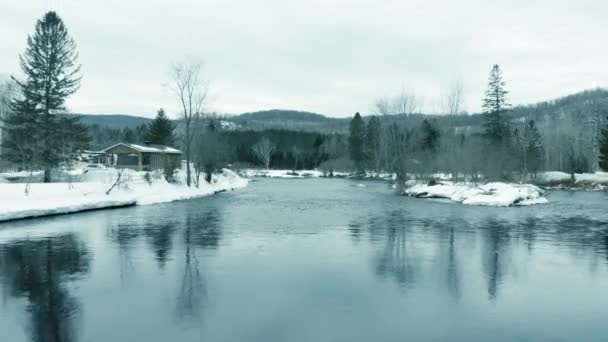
[598, 180]
[89, 192]
[251, 173]
[491, 194]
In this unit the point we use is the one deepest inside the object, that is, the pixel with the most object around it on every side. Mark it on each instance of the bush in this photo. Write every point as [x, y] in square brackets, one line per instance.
[169, 174]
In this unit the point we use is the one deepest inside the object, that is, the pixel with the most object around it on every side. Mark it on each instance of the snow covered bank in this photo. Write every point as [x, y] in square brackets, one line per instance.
[251, 173]
[491, 194]
[138, 189]
[598, 180]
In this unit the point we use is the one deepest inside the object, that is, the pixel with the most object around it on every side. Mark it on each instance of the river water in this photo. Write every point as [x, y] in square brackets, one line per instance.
[310, 260]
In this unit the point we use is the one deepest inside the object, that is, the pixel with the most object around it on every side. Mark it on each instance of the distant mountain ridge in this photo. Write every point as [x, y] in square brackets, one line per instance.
[581, 105]
[113, 120]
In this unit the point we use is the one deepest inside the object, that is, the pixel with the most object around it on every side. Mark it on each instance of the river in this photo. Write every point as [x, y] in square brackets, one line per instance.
[310, 260]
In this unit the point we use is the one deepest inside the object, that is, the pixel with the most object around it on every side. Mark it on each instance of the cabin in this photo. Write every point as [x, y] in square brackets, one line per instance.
[147, 157]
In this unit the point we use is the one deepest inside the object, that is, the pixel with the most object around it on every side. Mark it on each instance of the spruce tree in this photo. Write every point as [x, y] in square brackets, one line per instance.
[161, 130]
[430, 137]
[533, 148]
[494, 104]
[356, 141]
[51, 75]
[603, 157]
[372, 139]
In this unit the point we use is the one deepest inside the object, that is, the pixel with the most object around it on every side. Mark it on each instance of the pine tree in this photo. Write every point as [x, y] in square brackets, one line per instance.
[51, 76]
[532, 148]
[430, 137]
[494, 105]
[603, 157]
[356, 141]
[19, 139]
[372, 140]
[161, 130]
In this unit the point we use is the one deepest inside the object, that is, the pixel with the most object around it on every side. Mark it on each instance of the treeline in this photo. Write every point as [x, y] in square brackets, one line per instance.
[501, 143]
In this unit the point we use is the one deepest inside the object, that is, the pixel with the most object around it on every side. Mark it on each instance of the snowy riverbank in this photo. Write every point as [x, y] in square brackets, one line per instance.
[252, 173]
[89, 192]
[490, 194]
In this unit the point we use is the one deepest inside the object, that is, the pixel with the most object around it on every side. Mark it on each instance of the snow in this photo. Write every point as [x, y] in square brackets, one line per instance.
[89, 193]
[556, 178]
[165, 149]
[490, 194]
[150, 148]
[250, 173]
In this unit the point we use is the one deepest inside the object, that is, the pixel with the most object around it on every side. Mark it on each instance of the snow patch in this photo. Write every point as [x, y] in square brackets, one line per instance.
[490, 194]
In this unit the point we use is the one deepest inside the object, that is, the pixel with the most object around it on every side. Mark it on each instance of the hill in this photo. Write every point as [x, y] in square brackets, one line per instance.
[289, 119]
[118, 121]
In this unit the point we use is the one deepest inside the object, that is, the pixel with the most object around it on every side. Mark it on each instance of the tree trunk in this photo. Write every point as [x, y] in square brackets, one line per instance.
[47, 175]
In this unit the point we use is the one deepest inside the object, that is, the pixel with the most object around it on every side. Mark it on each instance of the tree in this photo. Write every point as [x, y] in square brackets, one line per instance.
[356, 141]
[430, 137]
[210, 151]
[453, 98]
[263, 150]
[493, 105]
[372, 139]
[603, 157]
[51, 76]
[161, 130]
[7, 92]
[72, 137]
[532, 148]
[191, 89]
[20, 143]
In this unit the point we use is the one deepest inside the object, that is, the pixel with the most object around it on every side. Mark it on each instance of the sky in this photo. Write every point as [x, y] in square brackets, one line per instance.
[334, 57]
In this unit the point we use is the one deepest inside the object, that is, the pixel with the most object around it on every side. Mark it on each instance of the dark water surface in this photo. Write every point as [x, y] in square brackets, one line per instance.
[310, 260]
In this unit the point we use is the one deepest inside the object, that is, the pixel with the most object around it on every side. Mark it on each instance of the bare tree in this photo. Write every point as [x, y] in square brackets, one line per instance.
[453, 98]
[264, 149]
[383, 106]
[120, 180]
[405, 102]
[191, 88]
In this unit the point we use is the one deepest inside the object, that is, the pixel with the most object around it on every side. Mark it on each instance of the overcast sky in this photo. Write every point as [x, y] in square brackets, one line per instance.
[331, 57]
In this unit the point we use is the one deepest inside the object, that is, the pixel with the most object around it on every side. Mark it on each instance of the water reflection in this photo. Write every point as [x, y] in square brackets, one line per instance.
[38, 271]
[395, 259]
[159, 237]
[494, 249]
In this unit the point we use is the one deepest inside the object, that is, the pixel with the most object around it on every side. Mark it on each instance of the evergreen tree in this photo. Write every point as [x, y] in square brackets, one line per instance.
[603, 157]
[20, 144]
[372, 138]
[532, 148]
[430, 137]
[495, 127]
[128, 135]
[51, 75]
[161, 130]
[72, 138]
[356, 141]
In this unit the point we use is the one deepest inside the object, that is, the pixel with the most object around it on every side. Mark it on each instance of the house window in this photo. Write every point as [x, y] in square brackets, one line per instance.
[128, 159]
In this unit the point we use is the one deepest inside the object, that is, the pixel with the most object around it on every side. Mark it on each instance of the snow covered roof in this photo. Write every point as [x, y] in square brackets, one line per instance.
[151, 148]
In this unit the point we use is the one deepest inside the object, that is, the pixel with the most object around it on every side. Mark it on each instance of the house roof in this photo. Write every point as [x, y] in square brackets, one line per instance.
[151, 148]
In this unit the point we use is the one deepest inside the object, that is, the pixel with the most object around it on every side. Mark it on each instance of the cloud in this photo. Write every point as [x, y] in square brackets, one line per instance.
[333, 57]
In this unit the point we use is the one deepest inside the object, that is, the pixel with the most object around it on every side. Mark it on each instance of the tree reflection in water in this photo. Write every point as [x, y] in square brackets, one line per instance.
[395, 260]
[39, 270]
[201, 231]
